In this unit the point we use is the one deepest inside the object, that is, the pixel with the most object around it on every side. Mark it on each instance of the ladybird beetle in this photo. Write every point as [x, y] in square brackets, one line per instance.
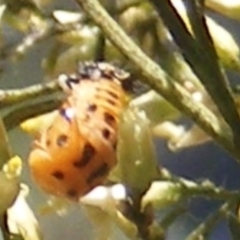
[75, 153]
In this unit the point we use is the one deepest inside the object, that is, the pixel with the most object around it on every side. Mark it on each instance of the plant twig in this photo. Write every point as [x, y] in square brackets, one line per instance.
[14, 118]
[26, 43]
[5, 151]
[201, 55]
[11, 97]
[159, 80]
[4, 228]
[205, 188]
[5, 155]
[205, 228]
[49, 29]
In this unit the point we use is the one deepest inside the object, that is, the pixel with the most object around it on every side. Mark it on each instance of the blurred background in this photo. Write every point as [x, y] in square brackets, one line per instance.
[207, 161]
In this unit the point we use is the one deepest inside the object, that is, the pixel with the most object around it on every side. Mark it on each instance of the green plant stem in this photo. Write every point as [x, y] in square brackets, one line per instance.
[208, 190]
[50, 29]
[5, 151]
[5, 155]
[4, 227]
[125, 5]
[15, 117]
[188, 188]
[205, 227]
[11, 97]
[159, 80]
[201, 55]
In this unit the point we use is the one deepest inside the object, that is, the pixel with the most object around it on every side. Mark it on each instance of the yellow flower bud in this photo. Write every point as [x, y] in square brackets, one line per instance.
[39, 123]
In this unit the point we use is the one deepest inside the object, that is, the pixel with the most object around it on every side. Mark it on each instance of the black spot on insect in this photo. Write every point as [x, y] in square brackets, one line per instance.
[114, 95]
[72, 81]
[62, 112]
[62, 140]
[106, 133]
[58, 175]
[111, 102]
[72, 193]
[48, 143]
[101, 171]
[92, 107]
[88, 70]
[88, 153]
[109, 119]
[108, 76]
[115, 145]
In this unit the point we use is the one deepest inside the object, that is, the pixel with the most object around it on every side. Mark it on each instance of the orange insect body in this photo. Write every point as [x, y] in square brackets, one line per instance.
[76, 152]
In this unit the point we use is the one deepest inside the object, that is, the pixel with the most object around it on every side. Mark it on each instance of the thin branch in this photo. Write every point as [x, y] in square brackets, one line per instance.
[188, 188]
[201, 55]
[11, 97]
[205, 228]
[5, 151]
[159, 80]
[50, 29]
[30, 40]
[4, 228]
[207, 189]
[218, 86]
[14, 118]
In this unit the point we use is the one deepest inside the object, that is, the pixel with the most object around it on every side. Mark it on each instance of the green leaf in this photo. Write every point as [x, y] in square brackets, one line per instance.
[137, 165]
